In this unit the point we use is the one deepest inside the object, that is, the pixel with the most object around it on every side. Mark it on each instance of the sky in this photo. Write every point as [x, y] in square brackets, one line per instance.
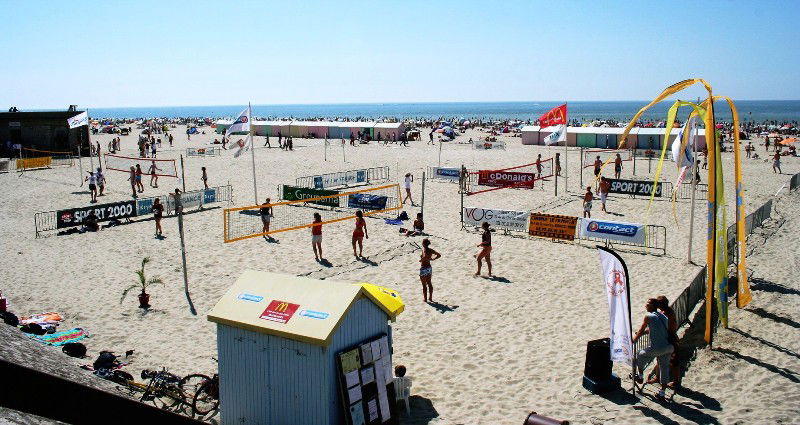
[175, 53]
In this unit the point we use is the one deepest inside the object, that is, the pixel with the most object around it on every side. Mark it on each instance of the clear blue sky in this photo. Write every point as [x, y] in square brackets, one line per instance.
[159, 53]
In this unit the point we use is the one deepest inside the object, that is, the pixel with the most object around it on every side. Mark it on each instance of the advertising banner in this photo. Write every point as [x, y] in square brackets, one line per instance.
[503, 219]
[634, 187]
[212, 151]
[343, 178]
[613, 230]
[105, 212]
[145, 206]
[552, 226]
[506, 178]
[446, 173]
[615, 277]
[365, 201]
[294, 193]
[484, 145]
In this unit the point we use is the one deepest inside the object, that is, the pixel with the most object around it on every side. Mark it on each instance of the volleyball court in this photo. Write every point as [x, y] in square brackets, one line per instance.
[590, 156]
[519, 177]
[163, 167]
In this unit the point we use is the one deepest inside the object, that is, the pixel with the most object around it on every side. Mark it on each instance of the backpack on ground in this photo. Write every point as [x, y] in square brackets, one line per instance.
[74, 349]
[106, 360]
[9, 318]
[33, 328]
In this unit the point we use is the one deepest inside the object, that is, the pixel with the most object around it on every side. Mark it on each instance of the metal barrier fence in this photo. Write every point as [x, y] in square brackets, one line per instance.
[344, 178]
[794, 182]
[655, 238]
[685, 191]
[47, 221]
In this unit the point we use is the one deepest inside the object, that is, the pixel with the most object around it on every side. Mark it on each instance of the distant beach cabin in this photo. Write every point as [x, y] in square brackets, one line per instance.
[278, 337]
[389, 130]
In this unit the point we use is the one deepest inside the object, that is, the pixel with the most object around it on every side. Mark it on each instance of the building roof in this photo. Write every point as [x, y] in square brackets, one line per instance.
[299, 308]
[388, 125]
[11, 116]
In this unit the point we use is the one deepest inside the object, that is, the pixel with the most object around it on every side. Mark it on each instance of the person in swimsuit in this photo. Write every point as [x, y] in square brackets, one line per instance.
[407, 185]
[158, 212]
[617, 166]
[204, 177]
[425, 269]
[92, 179]
[153, 176]
[587, 202]
[776, 163]
[486, 249]
[316, 237]
[132, 179]
[598, 164]
[418, 226]
[139, 184]
[359, 233]
[266, 216]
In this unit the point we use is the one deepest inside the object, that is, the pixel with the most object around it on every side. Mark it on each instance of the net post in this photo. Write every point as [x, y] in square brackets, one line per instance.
[422, 209]
[183, 175]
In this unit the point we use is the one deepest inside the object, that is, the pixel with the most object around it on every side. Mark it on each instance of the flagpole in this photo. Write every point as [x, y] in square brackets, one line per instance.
[711, 241]
[566, 182]
[80, 157]
[252, 149]
[694, 189]
[89, 140]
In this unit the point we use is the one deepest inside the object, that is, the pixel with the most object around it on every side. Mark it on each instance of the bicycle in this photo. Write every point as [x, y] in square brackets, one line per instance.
[206, 398]
[166, 390]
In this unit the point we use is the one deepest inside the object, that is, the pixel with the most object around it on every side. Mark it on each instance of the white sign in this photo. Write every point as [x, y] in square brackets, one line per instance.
[615, 278]
[445, 173]
[78, 120]
[503, 219]
[612, 230]
[483, 145]
[559, 135]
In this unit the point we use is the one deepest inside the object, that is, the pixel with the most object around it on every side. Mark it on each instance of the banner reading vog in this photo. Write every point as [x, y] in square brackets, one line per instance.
[504, 219]
[634, 187]
[506, 178]
[613, 230]
[294, 193]
[552, 226]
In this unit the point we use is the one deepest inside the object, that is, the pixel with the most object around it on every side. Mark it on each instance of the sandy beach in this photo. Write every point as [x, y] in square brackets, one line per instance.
[488, 350]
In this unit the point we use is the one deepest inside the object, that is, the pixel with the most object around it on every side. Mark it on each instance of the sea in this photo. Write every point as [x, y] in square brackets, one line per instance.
[585, 111]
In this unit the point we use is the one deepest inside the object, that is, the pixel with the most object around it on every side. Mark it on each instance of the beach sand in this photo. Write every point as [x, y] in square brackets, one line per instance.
[488, 350]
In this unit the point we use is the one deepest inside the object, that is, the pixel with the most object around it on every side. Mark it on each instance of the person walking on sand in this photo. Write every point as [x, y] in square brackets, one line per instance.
[617, 166]
[776, 163]
[266, 216]
[587, 202]
[132, 179]
[538, 167]
[425, 269]
[558, 164]
[605, 187]
[92, 179]
[204, 177]
[359, 233]
[656, 324]
[153, 175]
[139, 184]
[486, 249]
[267, 145]
[316, 237]
[101, 180]
[158, 213]
[407, 185]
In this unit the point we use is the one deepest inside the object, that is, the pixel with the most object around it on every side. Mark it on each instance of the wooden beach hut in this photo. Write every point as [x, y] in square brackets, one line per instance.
[530, 134]
[389, 130]
[279, 338]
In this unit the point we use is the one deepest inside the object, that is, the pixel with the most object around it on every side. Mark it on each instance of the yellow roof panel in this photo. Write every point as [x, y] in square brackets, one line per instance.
[300, 308]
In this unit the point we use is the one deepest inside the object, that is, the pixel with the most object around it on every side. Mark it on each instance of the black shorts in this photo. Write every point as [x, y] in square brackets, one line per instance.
[596, 171]
[92, 187]
[617, 169]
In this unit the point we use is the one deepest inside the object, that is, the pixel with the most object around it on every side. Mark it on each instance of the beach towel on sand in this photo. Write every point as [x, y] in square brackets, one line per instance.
[41, 319]
[60, 338]
[392, 221]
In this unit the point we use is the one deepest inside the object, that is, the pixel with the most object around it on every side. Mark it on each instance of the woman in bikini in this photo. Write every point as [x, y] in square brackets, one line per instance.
[425, 269]
[359, 233]
[153, 175]
[139, 178]
[486, 249]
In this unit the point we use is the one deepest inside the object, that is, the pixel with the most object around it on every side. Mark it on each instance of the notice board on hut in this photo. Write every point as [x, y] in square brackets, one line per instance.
[367, 383]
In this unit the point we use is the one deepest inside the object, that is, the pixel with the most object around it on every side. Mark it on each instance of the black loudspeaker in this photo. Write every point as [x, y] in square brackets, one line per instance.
[598, 360]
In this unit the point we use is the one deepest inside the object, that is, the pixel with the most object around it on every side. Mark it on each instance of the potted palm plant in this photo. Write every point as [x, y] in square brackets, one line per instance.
[143, 284]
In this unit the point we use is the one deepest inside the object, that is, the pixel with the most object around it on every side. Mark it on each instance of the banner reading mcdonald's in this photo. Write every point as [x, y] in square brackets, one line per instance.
[552, 226]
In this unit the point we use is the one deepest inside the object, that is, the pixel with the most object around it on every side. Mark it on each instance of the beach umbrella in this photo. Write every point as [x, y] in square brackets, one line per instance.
[786, 126]
[719, 126]
[788, 141]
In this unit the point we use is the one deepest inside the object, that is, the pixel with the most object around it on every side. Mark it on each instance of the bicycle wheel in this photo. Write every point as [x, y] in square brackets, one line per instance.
[191, 383]
[206, 398]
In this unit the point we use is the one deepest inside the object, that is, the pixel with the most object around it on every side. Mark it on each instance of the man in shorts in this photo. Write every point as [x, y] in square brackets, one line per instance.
[605, 186]
[587, 202]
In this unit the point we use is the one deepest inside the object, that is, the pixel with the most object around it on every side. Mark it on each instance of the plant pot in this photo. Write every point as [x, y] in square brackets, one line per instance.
[144, 300]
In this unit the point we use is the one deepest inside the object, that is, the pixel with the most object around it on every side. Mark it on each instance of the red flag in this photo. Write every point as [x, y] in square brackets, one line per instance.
[555, 116]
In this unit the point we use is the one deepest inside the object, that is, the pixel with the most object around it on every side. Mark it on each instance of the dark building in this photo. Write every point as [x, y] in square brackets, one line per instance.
[41, 130]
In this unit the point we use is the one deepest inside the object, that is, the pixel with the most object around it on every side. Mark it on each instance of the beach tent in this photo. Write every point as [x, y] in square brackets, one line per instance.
[279, 338]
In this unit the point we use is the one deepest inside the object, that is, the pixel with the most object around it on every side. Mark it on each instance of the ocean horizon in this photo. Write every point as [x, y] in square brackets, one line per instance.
[749, 110]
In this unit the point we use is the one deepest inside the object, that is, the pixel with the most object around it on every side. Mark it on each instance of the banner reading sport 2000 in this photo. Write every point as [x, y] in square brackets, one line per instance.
[634, 187]
[613, 230]
[503, 219]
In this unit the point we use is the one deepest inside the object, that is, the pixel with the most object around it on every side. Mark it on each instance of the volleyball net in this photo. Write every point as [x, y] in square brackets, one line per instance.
[150, 166]
[590, 156]
[520, 177]
[248, 222]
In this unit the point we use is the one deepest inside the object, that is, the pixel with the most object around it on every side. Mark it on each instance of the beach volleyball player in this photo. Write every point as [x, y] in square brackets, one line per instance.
[486, 249]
